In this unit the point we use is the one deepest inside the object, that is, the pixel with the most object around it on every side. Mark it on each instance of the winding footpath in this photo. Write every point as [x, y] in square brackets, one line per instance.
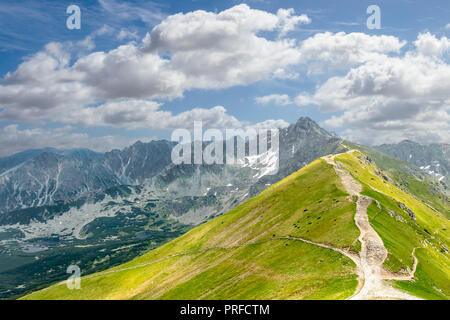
[373, 253]
[369, 264]
[351, 256]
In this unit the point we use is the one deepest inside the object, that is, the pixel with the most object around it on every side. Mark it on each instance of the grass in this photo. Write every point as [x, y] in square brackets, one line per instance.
[409, 177]
[276, 269]
[400, 238]
[310, 203]
[428, 233]
[242, 255]
[432, 276]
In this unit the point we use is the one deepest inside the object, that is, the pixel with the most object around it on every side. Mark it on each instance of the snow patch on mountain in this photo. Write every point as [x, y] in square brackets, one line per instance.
[433, 170]
[266, 163]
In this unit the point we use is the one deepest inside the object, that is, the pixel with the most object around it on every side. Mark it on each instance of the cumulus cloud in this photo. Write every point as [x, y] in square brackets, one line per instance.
[325, 51]
[119, 114]
[275, 99]
[427, 127]
[427, 44]
[185, 51]
[132, 114]
[13, 139]
[387, 99]
[269, 124]
[372, 81]
[221, 50]
[199, 49]
[289, 21]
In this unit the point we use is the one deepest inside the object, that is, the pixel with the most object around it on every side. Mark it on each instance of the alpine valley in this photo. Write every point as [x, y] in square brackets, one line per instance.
[338, 220]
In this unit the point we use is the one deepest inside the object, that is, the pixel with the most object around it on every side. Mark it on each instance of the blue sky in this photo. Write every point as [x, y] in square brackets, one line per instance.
[27, 27]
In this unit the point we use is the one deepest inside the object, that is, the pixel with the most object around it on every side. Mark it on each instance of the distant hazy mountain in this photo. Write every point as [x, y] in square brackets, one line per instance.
[52, 192]
[7, 163]
[45, 177]
[433, 158]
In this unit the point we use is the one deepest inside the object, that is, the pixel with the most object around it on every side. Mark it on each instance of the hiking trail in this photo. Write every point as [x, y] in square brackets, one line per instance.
[373, 253]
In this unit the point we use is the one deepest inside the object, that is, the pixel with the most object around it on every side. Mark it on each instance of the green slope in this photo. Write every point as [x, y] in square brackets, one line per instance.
[410, 178]
[242, 254]
[257, 250]
[429, 232]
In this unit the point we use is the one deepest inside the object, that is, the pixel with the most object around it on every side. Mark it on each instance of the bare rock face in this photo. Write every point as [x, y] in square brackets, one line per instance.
[46, 177]
[56, 178]
[433, 159]
[300, 143]
[407, 210]
[396, 216]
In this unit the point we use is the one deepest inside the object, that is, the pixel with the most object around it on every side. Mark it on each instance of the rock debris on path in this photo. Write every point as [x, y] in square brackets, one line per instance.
[373, 252]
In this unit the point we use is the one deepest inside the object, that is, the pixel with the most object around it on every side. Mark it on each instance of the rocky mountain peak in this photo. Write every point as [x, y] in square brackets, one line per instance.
[305, 126]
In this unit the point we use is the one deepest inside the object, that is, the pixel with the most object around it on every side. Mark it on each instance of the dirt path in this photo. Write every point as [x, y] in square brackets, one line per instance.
[373, 253]
[371, 274]
[407, 277]
[351, 256]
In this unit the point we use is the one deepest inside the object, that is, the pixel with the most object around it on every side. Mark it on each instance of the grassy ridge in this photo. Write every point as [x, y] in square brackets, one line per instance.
[243, 254]
[410, 178]
[429, 232]
[310, 203]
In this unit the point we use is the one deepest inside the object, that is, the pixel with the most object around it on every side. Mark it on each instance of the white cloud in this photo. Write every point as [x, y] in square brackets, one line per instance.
[304, 99]
[341, 51]
[127, 34]
[275, 99]
[88, 43]
[289, 21]
[146, 11]
[429, 45]
[225, 49]
[382, 88]
[132, 114]
[386, 99]
[447, 26]
[126, 114]
[199, 49]
[427, 127]
[269, 124]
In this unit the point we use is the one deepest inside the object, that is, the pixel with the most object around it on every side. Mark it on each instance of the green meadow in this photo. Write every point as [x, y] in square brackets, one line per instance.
[256, 251]
[240, 255]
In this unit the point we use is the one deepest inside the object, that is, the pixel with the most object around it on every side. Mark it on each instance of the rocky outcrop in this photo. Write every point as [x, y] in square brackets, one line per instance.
[407, 210]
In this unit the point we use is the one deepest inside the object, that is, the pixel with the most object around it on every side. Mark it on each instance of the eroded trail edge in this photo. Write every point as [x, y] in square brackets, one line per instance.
[349, 255]
[373, 252]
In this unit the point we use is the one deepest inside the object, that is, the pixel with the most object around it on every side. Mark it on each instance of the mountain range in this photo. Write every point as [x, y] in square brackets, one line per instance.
[433, 158]
[339, 228]
[51, 198]
[60, 207]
